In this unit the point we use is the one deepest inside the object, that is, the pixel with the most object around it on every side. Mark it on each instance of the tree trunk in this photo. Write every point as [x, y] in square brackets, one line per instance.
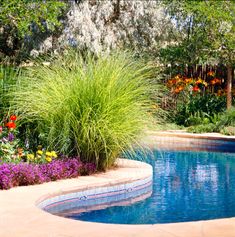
[229, 86]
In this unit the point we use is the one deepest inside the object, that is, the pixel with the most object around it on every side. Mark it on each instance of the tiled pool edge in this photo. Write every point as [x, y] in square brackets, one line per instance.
[97, 196]
[19, 217]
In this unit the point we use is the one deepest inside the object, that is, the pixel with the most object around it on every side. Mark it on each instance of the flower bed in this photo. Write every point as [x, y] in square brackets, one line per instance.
[12, 175]
[193, 85]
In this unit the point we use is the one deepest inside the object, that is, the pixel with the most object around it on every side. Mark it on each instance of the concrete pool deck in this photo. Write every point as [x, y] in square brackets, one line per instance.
[21, 217]
[181, 140]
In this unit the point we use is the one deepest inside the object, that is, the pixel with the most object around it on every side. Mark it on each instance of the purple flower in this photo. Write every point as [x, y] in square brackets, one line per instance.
[12, 175]
[11, 137]
[89, 168]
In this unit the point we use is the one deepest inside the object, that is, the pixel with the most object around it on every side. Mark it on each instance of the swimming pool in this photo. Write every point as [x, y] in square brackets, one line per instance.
[187, 186]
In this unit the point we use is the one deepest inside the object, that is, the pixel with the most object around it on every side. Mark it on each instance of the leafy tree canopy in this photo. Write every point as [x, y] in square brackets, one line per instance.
[205, 30]
[21, 18]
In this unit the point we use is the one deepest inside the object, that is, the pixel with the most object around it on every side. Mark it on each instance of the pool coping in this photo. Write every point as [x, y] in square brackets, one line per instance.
[184, 134]
[20, 216]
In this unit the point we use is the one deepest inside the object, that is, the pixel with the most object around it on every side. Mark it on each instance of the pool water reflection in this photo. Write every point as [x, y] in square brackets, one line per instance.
[187, 186]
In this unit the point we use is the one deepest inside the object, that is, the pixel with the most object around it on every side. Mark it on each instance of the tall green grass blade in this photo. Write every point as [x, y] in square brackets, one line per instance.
[95, 107]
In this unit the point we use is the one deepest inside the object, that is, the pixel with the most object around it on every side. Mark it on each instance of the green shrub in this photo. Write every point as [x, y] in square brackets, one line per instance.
[203, 128]
[198, 107]
[197, 118]
[228, 131]
[223, 123]
[94, 107]
[227, 118]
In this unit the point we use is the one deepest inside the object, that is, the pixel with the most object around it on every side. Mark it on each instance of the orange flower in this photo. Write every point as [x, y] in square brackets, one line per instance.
[169, 82]
[20, 152]
[11, 125]
[13, 118]
[218, 81]
[178, 89]
[211, 74]
[212, 82]
[215, 81]
[201, 81]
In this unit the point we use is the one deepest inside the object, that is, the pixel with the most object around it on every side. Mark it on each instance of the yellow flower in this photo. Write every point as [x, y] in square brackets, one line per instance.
[30, 156]
[199, 81]
[188, 80]
[49, 159]
[48, 153]
[39, 152]
[53, 154]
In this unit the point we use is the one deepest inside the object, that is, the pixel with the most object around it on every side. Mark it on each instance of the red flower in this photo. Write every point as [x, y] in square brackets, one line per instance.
[196, 88]
[13, 117]
[11, 125]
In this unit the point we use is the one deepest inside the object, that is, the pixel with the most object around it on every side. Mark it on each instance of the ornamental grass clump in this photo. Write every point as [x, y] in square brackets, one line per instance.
[94, 107]
[8, 78]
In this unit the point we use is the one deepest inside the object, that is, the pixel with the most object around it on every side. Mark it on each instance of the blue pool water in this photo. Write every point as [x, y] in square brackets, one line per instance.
[187, 186]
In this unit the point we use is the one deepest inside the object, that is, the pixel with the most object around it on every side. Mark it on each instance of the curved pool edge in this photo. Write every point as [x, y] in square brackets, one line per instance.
[185, 134]
[134, 188]
[182, 140]
[21, 217]
[117, 176]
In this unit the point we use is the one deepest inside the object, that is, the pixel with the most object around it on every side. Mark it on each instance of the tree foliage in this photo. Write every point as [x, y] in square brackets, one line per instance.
[19, 20]
[205, 31]
[205, 34]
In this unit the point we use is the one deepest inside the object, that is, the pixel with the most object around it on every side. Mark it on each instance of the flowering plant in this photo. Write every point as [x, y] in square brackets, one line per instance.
[9, 148]
[181, 83]
[211, 73]
[19, 167]
[10, 151]
[41, 156]
[23, 173]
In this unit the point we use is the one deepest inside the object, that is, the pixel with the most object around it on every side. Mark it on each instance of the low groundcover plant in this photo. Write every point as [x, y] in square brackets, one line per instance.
[24, 173]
